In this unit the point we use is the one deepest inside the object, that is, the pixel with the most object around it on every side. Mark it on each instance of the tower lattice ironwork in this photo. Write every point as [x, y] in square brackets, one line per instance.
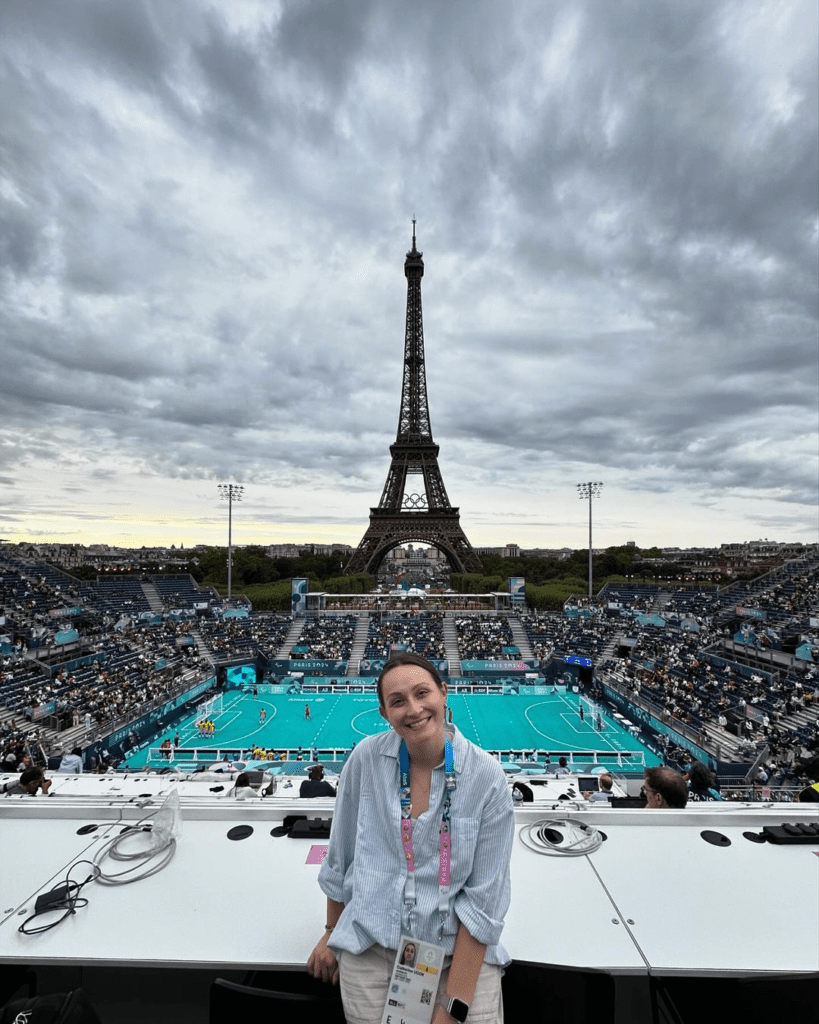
[414, 506]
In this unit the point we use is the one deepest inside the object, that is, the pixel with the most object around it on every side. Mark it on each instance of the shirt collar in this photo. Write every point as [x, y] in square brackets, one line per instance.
[392, 745]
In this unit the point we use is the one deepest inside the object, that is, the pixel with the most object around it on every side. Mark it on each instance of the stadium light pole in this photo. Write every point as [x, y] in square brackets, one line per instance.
[585, 492]
[230, 493]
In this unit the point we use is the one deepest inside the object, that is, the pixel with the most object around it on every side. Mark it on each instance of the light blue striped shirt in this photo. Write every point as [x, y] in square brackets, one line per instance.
[365, 867]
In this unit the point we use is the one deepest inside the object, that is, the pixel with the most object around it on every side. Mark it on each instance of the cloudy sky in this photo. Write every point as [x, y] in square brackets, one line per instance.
[204, 213]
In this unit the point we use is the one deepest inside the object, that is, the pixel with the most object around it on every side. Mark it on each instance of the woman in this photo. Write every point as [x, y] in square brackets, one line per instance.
[395, 808]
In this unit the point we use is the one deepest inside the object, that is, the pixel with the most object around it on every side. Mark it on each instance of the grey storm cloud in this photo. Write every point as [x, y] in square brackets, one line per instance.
[204, 210]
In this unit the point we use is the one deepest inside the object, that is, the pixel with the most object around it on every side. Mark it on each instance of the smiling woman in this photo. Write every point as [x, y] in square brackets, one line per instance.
[419, 851]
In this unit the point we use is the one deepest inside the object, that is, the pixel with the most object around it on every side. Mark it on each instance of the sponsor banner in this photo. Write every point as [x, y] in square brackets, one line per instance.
[517, 589]
[298, 596]
[575, 659]
[751, 613]
[318, 666]
[355, 684]
[495, 667]
[64, 613]
[44, 709]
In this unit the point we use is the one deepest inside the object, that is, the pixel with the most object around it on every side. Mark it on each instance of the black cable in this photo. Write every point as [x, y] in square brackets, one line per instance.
[64, 897]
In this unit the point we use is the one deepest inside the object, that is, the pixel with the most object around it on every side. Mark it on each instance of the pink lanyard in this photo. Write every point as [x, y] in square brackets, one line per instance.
[444, 836]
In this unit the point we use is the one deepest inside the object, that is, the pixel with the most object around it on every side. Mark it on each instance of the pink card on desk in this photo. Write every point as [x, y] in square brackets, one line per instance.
[316, 855]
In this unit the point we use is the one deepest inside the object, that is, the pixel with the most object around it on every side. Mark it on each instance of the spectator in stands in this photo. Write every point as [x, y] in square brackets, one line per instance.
[316, 784]
[665, 788]
[72, 762]
[702, 783]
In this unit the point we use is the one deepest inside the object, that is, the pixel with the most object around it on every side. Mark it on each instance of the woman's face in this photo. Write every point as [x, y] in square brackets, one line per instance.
[414, 704]
[409, 953]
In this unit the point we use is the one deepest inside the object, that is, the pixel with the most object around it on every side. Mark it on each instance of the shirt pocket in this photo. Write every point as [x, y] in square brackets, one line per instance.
[464, 833]
[377, 859]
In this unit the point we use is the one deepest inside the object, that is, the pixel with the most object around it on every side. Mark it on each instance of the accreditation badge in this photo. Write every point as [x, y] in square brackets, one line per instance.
[413, 987]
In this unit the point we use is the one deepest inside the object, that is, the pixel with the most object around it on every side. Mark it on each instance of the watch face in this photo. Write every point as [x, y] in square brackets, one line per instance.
[458, 1009]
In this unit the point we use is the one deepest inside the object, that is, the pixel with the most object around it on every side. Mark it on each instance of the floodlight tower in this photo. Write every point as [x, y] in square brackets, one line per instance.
[589, 491]
[230, 493]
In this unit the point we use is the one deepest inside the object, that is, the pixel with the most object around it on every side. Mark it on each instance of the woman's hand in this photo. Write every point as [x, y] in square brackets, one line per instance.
[322, 963]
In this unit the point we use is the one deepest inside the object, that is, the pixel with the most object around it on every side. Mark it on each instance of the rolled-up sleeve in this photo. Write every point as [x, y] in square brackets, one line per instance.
[483, 901]
[335, 873]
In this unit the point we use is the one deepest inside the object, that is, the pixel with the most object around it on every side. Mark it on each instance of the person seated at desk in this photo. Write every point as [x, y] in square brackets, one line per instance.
[604, 793]
[665, 788]
[562, 768]
[316, 784]
[32, 780]
[72, 762]
[243, 790]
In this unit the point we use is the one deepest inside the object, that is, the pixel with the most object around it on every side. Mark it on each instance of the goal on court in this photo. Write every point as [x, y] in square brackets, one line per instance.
[593, 714]
[211, 708]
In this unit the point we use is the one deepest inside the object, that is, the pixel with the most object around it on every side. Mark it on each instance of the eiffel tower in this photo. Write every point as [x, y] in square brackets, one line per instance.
[414, 506]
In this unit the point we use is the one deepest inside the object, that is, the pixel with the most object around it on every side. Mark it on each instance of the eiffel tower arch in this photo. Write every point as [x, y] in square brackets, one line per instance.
[414, 507]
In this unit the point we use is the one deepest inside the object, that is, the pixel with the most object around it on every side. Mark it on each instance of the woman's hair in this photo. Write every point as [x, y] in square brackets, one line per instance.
[700, 777]
[407, 658]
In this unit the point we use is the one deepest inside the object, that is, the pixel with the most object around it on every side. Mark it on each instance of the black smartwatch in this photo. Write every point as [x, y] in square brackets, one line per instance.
[455, 1007]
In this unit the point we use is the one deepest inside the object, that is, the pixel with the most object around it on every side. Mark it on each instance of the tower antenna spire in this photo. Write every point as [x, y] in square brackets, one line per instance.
[413, 233]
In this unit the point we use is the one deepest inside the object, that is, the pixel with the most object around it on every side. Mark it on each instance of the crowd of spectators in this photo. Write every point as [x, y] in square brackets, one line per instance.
[551, 634]
[421, 632]
[328, 636]
[482, 637]
[231, 637]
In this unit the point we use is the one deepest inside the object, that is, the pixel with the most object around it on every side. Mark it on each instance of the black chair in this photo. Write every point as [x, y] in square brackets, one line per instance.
[231, 1001]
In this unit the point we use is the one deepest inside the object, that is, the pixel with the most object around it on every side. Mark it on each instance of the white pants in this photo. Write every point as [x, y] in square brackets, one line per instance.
[364, 979]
